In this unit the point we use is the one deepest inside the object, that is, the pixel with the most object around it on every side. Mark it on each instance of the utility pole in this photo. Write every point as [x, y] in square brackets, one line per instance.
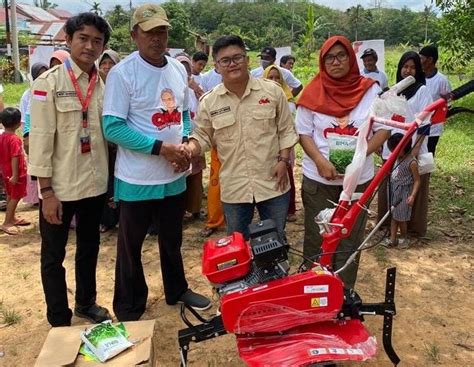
[7, 29]
[16, 50]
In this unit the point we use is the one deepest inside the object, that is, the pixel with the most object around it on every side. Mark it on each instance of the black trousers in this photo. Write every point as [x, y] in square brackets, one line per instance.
[54, 238]
[131, 291]
[432, 143]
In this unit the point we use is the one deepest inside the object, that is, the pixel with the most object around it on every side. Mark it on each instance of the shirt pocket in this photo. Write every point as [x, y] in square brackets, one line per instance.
[224, 128]
[69, 115]
[263, 119]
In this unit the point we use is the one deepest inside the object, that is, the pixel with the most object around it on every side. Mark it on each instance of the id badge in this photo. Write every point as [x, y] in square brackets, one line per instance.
[85, 144]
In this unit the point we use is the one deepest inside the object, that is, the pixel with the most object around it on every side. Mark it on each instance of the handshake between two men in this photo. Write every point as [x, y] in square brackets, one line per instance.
[179, 155]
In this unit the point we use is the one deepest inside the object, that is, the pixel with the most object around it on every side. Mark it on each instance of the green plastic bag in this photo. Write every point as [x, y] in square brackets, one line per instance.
[341, 150]
[104, 341]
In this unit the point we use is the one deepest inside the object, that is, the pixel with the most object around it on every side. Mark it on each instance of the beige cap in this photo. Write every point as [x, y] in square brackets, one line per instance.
[149, 16]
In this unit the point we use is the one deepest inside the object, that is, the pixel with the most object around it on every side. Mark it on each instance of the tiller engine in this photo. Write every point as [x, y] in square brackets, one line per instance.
[281, 318]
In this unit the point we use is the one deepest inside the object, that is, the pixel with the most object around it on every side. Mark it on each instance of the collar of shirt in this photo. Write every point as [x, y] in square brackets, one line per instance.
[77, 70]
[432, 75]
[252, 84]
[367, 72]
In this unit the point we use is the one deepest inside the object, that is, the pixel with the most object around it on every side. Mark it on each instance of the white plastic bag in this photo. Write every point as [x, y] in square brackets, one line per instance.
[426, 163]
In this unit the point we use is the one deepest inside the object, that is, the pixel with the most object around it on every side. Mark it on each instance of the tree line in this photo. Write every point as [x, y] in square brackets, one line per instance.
[296, 23]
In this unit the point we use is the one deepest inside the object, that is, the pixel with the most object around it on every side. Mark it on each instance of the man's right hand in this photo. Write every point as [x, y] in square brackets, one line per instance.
[52, 210]
[177, 155]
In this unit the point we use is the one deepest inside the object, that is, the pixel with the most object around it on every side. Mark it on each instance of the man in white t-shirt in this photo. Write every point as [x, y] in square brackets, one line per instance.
[369, 58]
[267, 58]
[198, 63]
[210, 80]
[146, 114]
[437, 84]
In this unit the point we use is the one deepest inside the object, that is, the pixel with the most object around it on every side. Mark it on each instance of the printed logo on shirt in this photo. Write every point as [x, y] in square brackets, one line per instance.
[40, 95]
[398, 118]
[341, 127]
[264, 100]
[66, 94]
[169, 114]
[220, 111]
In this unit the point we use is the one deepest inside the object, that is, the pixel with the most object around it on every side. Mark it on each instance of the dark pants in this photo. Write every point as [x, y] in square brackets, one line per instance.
[131, 291]
[432, 143]
[239, 216]
[54, 238]
[292, 205]
[110, 216]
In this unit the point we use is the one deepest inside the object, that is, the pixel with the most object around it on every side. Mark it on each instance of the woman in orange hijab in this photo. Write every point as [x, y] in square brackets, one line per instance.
[331, 108]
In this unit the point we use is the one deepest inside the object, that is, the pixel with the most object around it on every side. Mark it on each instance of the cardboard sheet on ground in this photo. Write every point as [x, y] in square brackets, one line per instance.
[62, 345]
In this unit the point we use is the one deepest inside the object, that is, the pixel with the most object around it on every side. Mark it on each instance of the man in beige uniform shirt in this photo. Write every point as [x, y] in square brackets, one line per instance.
[249, 122]
[68, 154]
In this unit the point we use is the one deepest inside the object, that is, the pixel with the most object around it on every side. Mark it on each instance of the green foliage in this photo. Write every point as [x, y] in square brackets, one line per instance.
[451, 183]
[44, 4]
[179, 36]
[119, 20]
[13, 93]
[457, 31]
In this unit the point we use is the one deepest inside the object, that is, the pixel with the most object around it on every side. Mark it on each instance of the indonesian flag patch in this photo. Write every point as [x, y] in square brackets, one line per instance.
[40, 95]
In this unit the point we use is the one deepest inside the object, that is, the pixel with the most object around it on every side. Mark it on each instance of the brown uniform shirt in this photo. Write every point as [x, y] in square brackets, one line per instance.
[249, 134]
[55, 132]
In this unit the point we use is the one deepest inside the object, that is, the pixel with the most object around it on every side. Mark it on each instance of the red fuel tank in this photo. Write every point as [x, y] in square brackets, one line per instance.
[226, 259]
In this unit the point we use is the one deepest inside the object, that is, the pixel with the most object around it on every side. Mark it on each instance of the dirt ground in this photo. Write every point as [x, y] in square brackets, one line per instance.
[434, 323]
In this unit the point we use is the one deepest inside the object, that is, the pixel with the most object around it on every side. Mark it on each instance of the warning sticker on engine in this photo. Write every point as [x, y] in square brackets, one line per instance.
[316, 288]
[319, 302]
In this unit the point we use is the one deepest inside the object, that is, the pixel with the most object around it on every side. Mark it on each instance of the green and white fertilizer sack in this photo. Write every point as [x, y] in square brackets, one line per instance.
[341, 150]
[104, 341]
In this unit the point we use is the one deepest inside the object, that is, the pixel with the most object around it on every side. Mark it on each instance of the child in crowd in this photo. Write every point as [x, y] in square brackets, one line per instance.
[404, 185]
[13, 165]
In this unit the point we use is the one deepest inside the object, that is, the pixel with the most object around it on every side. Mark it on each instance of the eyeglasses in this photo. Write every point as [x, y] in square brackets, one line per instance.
[341, 57]
[236, 59]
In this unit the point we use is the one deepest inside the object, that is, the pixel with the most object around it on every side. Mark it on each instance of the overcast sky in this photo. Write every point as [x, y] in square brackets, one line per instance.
[76, 6]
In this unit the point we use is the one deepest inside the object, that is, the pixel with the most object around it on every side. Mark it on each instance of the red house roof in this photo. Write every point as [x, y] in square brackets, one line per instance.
[61, 14]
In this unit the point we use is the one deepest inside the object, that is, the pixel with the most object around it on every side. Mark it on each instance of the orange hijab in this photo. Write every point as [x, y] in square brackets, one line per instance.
[335, 97]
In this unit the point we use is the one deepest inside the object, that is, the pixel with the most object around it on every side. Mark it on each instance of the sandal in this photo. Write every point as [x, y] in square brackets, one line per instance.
[94, 313]
[207, 231]
[12, 231]
[22, 222]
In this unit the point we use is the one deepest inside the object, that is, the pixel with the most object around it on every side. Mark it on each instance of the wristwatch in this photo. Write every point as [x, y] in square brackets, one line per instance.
[284, 159]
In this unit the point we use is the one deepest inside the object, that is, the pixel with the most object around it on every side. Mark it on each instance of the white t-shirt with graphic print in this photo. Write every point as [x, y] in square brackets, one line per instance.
[318, 126]
[152, 100]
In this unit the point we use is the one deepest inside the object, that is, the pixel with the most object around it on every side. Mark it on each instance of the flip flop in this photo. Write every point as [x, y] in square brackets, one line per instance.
[22, 222]
[207, 231]
[12, 231]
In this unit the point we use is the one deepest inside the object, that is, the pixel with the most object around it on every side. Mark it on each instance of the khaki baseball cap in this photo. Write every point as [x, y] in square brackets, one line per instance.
[149, 16]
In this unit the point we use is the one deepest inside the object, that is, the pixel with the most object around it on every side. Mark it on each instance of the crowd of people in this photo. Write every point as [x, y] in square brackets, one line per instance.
[114, 141]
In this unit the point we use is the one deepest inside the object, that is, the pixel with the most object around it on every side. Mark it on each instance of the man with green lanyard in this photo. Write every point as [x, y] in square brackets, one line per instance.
[151, 160]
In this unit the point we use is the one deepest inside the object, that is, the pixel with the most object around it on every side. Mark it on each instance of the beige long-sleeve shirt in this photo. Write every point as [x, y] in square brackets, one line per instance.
[56, 129]
[249, 133]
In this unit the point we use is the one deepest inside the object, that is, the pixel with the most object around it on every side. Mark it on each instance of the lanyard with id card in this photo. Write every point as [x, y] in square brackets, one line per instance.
[85, 138]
